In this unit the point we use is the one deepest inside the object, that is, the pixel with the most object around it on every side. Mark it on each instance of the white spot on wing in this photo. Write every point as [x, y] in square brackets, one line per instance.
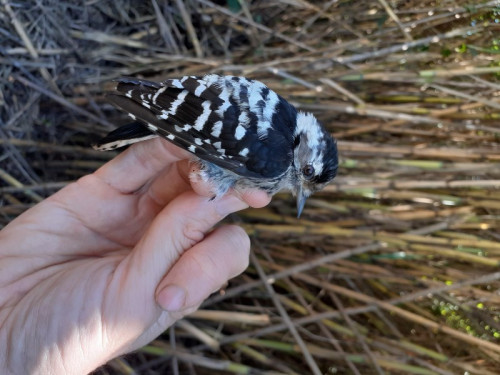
[176, 83]
[152, 127]
[244, 152]
[199, 90]
[255, 95]
[132, 116]
[210, 79]
[198, 141]
[145, 104]
[243, 119]
[192, 148]
[264, 124]
[175, 104]
[240, 132]
[178, 101]
[265, 114]
[202, 119]
[224, 96]
[220, 150]
[171, 137]
[159, 92]
[216, 129]
[236, 91]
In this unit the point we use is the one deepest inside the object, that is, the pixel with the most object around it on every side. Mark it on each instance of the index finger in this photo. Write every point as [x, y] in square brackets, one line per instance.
[139, 163]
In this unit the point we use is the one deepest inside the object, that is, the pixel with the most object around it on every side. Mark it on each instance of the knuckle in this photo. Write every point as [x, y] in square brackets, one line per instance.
[192, 233]
[192, 217]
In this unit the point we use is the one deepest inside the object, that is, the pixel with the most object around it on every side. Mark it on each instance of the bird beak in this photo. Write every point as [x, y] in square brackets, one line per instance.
[301, 201]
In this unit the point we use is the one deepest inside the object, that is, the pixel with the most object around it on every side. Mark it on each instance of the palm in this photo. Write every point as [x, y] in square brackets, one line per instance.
[95, 254]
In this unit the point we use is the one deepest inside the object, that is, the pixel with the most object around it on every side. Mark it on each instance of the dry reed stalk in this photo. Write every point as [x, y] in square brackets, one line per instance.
[393, 267]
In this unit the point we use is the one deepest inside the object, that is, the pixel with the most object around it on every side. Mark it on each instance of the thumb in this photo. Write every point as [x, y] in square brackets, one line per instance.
[181, 225]
[204, 268]
[176, 252]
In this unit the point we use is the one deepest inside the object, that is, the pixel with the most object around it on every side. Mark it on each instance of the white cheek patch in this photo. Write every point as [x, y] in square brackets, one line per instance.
[318, 158]
[318, 167]
[314, 134]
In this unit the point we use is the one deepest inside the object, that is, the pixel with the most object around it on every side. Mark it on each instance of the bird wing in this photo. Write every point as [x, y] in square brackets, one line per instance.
[235, 123]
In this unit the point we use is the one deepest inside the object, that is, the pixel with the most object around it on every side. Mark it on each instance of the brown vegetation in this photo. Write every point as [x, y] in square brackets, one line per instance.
[394, 268]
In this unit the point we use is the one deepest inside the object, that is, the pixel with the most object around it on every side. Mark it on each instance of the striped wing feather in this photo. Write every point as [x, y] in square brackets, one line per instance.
[137, 97]
[208, 118]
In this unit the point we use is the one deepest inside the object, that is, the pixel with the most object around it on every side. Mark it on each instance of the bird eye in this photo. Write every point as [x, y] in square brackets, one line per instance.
[308, 171]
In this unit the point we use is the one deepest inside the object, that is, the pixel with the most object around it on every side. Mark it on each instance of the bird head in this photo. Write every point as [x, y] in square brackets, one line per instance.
[315, 158]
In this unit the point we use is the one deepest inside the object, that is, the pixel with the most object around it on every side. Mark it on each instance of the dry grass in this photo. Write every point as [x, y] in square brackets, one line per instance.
[394, 268]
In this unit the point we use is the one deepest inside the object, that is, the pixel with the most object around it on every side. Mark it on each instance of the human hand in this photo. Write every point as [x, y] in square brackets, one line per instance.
[109, 262]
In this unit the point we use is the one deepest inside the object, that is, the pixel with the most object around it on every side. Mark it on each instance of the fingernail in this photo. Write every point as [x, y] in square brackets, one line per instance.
[172, 298]
[229, 204]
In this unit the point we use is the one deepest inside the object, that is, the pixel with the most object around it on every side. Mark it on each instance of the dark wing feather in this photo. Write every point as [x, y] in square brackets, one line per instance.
[224, 120]
[164, 129]
[124, 136]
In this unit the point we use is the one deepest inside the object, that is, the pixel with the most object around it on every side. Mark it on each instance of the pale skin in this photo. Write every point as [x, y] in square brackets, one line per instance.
[105, 265]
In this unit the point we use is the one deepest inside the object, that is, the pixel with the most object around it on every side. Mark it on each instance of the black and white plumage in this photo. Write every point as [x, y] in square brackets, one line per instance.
[244, 134]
